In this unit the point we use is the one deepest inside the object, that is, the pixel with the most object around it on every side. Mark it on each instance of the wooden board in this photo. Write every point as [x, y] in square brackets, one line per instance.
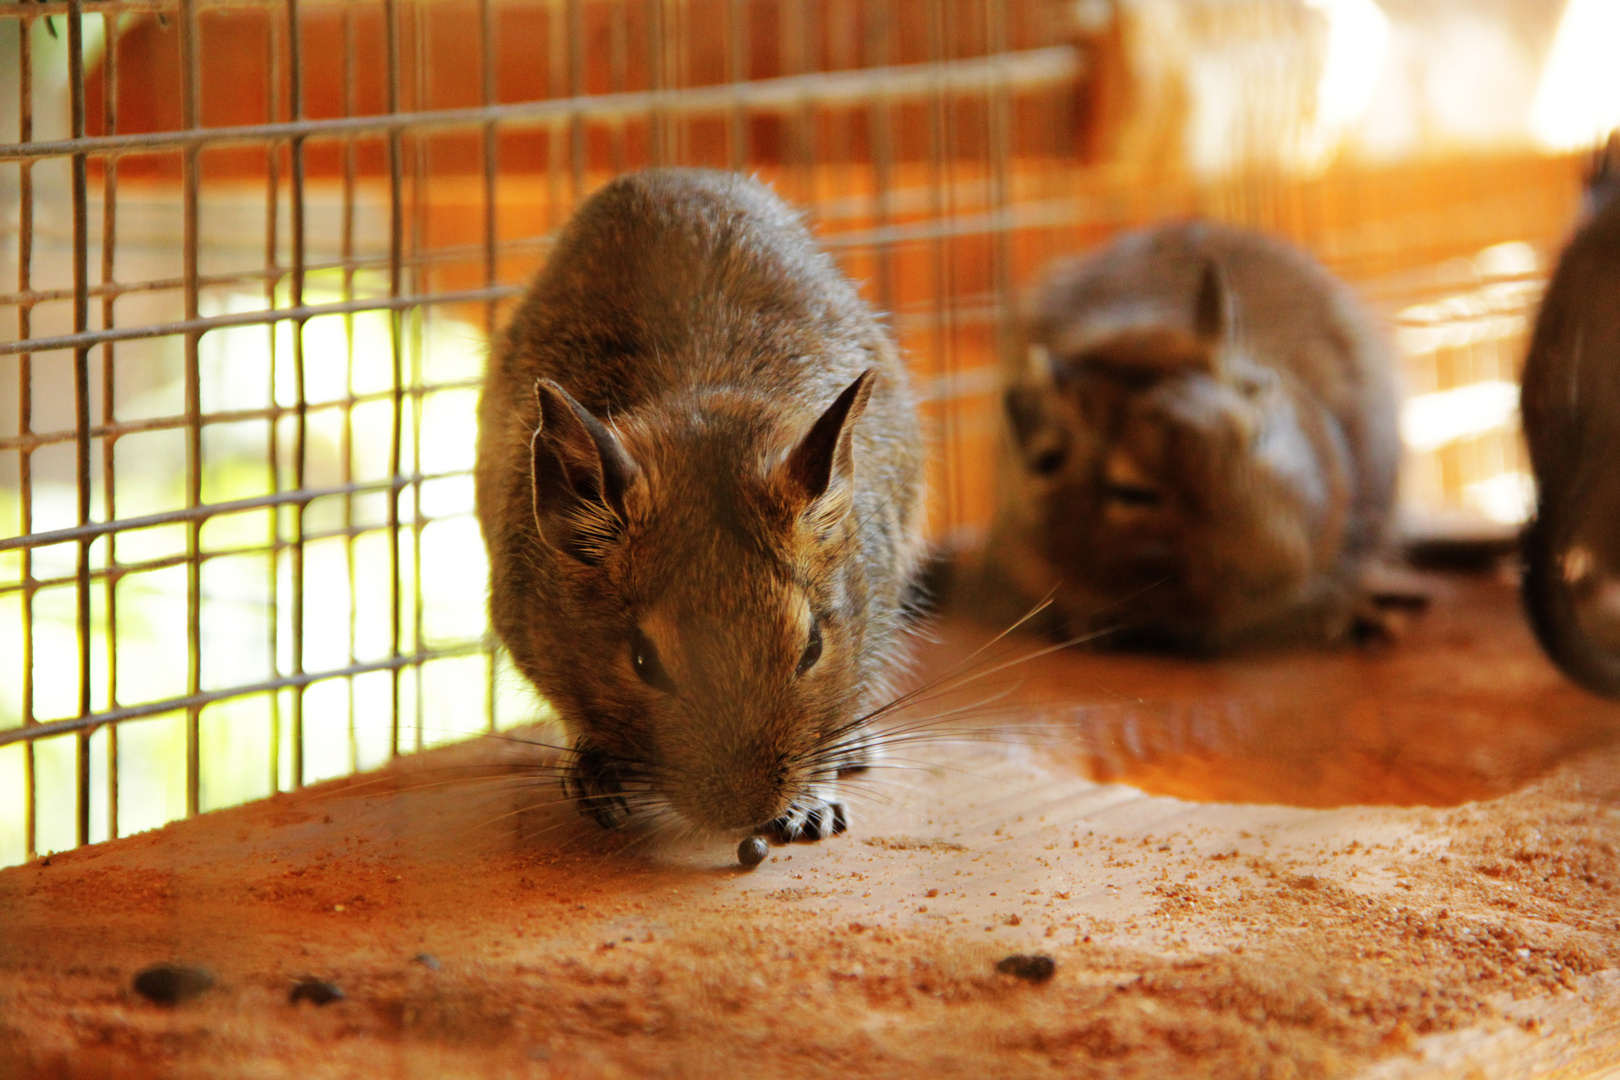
[1307, 924]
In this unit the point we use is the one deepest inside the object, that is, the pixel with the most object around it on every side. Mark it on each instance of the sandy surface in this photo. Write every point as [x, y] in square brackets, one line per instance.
[1402, 864]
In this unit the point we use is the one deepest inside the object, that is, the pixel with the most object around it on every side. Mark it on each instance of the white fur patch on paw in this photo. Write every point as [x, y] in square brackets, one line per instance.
[809, 818]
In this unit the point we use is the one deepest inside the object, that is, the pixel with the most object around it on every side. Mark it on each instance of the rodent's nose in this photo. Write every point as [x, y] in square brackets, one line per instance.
[1126, 487]
[732, 791]
[737, 806]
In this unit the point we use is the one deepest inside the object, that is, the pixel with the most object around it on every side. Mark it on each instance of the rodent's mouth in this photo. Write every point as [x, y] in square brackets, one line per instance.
[1135, 496]
[722, 808]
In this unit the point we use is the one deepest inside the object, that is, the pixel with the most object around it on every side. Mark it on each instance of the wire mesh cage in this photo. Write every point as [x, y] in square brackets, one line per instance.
[257, 249]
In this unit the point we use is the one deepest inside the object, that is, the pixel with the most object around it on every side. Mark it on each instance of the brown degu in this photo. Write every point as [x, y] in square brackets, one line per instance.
[699, 482]
[1202, 445]
[1570, 403]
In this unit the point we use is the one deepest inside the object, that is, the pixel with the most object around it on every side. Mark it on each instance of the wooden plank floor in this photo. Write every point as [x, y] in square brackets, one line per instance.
[1402, 864]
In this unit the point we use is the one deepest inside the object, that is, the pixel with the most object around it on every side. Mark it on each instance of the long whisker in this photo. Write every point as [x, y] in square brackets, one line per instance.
[636, 800]
[963, 665]
[960, 676]
[960, 669]
[399, 774]
[957, 679]
[867, 734]
[998, 663]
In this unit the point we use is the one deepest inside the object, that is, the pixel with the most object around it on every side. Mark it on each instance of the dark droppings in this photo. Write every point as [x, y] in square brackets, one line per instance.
[315, 991]
[170, 984]
[752, 851]
[1035, 968]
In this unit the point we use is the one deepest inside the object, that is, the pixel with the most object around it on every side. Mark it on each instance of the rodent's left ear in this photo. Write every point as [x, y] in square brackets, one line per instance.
[1026, 412]
[827, 451]
[580, 473]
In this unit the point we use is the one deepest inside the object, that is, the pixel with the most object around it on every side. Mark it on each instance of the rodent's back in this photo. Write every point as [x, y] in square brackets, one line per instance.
[691, 266]
[1571, 381]
[1570, 405]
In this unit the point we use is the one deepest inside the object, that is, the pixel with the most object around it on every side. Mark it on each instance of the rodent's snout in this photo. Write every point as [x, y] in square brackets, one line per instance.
[1127, 488]
[734, 787]
[738, 801]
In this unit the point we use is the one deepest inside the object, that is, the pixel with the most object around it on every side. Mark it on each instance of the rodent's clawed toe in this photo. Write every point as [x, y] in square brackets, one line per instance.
[1381, 616]
[596, 784]
[809, 820]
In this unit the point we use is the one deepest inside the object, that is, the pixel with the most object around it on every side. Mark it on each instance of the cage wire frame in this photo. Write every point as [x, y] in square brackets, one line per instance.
[800, 94]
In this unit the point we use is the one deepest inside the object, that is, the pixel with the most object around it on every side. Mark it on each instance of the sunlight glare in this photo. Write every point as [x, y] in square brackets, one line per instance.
[1578, 101]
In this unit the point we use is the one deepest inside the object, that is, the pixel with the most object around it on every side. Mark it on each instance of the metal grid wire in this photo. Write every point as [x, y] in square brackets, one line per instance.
[260, 253]
[220, 461]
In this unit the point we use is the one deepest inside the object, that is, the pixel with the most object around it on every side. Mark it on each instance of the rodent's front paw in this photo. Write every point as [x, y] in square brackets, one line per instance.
[596, 784]
[809, 819]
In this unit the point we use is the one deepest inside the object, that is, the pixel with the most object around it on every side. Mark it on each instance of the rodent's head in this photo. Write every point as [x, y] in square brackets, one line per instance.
[716, 609]
[1603, 178]
[1169, 466]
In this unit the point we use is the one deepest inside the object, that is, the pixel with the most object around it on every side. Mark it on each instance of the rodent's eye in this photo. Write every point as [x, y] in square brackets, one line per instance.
[1049, 462]
[812, 650]
[644, 658]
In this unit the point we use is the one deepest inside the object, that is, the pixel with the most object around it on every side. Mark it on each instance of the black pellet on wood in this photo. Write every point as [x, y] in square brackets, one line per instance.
[752, 851]
[170, 984]
[1032, 968]
[315, 991]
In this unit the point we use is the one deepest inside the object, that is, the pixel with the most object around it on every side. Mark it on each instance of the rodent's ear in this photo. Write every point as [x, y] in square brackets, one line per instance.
[827, 449]
[1210, 316]
[1038, 369]
[1026, 412]
[580, 473]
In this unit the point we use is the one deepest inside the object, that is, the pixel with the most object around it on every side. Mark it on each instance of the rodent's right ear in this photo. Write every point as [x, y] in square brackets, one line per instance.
[580, 474]
[1210, 315]
[825, 455]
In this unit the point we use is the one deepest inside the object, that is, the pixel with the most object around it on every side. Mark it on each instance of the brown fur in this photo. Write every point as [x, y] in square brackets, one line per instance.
[1203, 449]
[1571, 408]
[692, 316]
